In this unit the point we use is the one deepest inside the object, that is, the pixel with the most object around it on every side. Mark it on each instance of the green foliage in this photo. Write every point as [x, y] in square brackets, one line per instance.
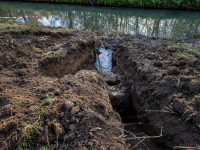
[134, 3]
[44, 148]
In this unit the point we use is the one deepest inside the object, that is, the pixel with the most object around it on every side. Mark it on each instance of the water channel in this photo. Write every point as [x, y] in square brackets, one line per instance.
[150, 22]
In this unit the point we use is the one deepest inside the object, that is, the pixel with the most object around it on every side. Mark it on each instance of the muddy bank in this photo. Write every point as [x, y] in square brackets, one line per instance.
[40, 107]
[164, 80]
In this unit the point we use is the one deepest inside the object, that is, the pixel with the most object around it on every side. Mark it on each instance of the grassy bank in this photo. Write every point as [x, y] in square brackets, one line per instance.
[177, 4]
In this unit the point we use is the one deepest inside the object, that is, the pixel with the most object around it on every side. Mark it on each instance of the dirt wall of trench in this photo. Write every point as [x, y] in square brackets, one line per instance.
[165, 88]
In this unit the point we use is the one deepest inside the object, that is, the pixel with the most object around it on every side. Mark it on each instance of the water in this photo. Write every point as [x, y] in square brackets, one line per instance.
[104, 61]
[149, 22]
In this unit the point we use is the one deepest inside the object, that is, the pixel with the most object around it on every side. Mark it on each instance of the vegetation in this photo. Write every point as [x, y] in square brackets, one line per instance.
[186, 50]
[134, 3]
[28, 133]
[43, 106]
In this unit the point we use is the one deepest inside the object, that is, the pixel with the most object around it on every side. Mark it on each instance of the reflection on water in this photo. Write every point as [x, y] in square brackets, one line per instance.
[150, 22]
[104, 61]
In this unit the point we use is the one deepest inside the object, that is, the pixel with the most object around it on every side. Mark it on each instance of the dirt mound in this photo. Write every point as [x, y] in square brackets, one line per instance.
[38, 110]
[69, 56]
[164, 79]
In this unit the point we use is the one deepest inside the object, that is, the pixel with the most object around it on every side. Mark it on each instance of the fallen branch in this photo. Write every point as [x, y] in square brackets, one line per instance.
[162, 111]
[128, 124]
[147, 137]
[140, 141]
[182, 147]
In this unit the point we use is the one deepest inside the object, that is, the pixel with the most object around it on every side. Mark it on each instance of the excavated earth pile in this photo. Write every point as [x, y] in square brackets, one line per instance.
[44, 102]
[165, 86]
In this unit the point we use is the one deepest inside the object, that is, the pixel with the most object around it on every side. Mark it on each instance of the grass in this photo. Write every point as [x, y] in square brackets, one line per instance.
[58, 54]
[44, 148]
[10, 26]
[43, 38]
[43, 106]
[186, 50]
[28, 133]
[31, 130]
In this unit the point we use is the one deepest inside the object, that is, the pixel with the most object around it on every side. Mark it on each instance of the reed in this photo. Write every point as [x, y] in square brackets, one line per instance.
[179, 4]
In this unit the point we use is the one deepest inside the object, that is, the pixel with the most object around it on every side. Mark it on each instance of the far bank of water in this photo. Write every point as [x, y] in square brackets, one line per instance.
[109, 20]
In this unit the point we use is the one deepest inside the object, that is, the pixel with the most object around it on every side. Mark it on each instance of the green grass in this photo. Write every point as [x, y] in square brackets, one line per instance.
[44, 148]
[43, 106]
[186, 50]
[28, 133]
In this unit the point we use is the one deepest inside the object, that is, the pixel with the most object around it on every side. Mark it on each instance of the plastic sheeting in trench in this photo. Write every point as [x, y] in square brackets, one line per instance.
[104, 60]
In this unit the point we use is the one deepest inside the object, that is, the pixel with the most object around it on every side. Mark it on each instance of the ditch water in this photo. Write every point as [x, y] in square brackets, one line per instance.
[109, 20]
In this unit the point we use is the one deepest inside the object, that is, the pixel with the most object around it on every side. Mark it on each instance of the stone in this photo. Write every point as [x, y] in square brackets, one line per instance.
[111, 78]
[67, 121]
[101, 148]
[73, 119]
[72, 127]
[57, 92]
[58, 129]
[75, 110]
[80, 114]
[69, 105]
[91, 134]
[90, 144]
[77, 120]
[71, 136]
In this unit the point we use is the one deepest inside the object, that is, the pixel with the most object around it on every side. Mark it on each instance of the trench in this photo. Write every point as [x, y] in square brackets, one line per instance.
[119, 90]
[121, 100]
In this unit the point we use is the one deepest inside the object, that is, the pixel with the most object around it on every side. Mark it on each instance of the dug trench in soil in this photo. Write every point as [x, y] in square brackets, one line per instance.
[120, 97]
[164, 79]
[42, 107]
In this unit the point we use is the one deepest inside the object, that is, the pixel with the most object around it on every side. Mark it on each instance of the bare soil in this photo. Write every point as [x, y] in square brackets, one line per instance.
[164, 79]
[52, 96]
[44, 104]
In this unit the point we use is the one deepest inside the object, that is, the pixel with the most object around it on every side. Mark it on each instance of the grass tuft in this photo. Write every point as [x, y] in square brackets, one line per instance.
[186, 50]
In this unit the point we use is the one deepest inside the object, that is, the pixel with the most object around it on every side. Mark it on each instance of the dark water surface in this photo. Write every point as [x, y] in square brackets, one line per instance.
[150, 22]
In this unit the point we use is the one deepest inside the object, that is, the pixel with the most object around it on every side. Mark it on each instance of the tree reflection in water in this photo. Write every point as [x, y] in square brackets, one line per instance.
[149, 22]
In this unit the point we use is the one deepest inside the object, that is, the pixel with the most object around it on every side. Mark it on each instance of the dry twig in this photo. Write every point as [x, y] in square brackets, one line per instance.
[191, 148]
[147, 137]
